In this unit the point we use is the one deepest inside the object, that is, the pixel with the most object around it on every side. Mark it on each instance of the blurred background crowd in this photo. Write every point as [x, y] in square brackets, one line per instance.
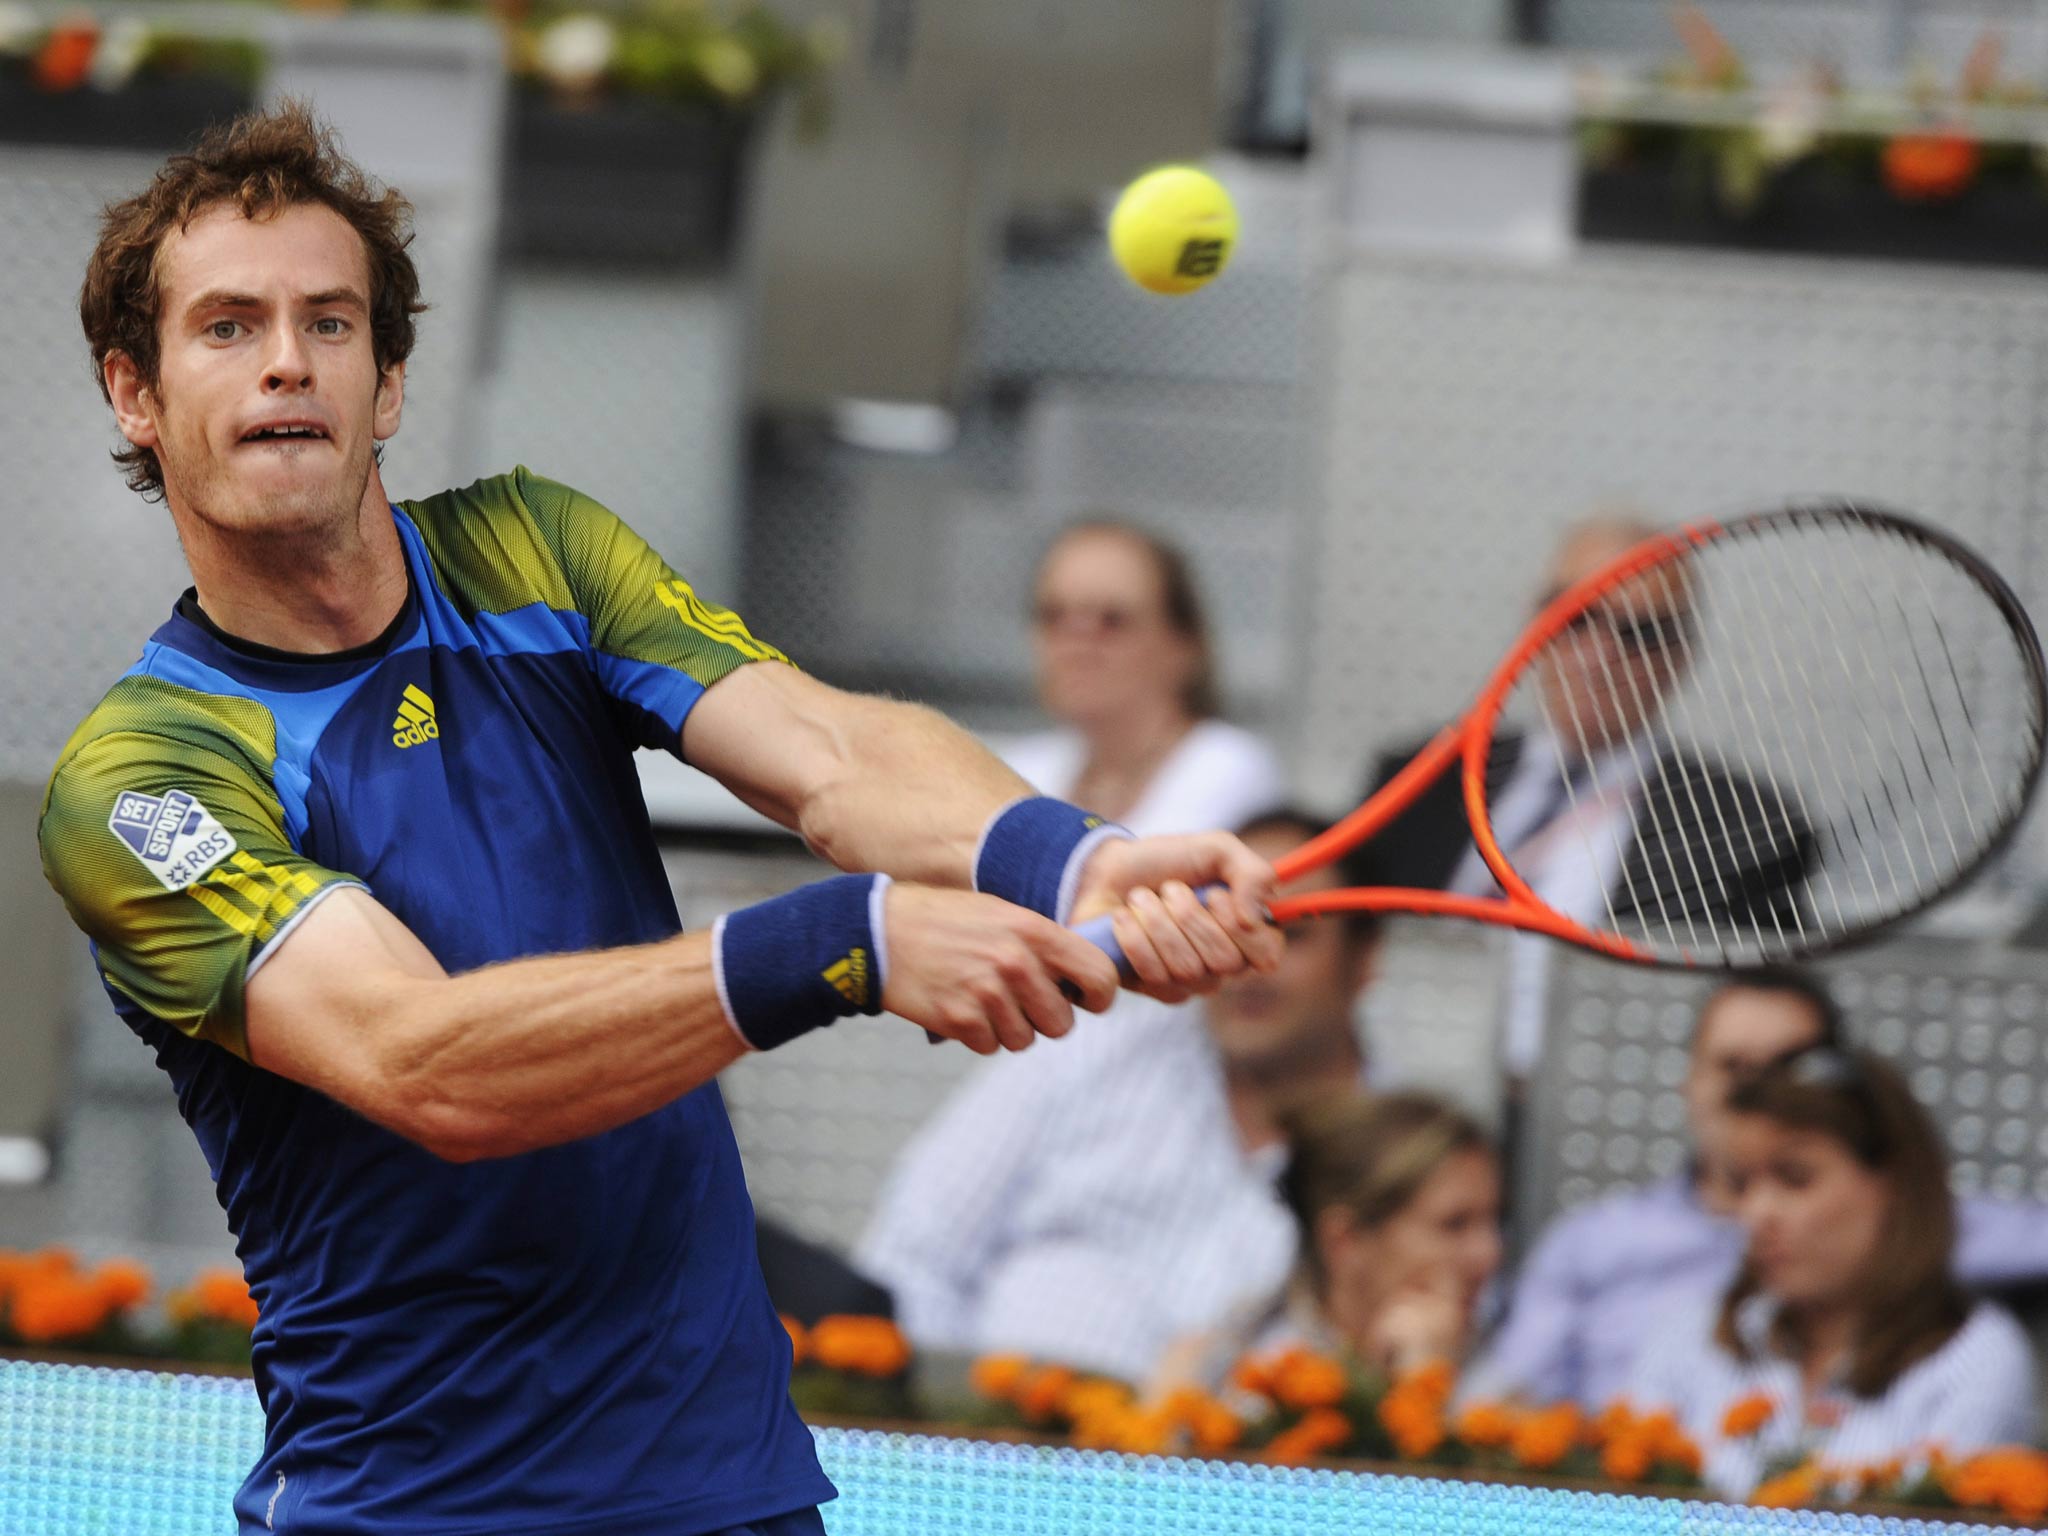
[813, 293]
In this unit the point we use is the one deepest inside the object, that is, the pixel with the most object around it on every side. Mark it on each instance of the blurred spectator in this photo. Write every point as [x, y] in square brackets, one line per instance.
[1845, 1329]
[1591, 1292]
[1396, 1204]
[1125, 666]
[1089, 1200]
[1579, 812]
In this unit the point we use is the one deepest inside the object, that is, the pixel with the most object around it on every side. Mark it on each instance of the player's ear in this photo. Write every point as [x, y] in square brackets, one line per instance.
[134, 405]
[390, 402]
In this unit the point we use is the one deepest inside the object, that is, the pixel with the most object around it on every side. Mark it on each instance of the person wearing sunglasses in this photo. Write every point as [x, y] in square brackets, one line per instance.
[1126, 670]
[1846, 1320]
[1597, 840]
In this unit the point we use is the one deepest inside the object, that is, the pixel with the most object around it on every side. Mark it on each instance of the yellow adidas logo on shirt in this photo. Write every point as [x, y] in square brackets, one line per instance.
[850, 977]
[415, 720]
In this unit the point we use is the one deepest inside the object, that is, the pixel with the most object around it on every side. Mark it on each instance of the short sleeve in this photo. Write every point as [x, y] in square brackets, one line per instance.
[173, 859]
[656, 644]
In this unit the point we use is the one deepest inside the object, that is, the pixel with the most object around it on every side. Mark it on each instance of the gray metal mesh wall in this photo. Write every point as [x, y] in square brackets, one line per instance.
[1963, 1021]
[1472, 410]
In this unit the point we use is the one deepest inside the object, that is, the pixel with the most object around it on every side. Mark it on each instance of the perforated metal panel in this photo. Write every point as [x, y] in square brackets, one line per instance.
[1474, 410]
[89, 567]
[1963, 1022]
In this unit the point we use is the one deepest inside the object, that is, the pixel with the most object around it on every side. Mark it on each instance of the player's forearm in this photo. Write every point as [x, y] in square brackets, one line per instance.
[537, 1052]
[909, 794]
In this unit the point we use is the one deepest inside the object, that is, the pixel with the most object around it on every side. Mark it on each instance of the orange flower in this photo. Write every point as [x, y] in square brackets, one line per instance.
[1100, 1430]
[1215, 1428]
[1304, 1380]
[1093, 1396]
[1616, 1418]
[1320, 1430]
[2023, 1490]
[67, 53]
[1041, 1391]
[1432, 1382]
[799, 1344]
[1626, 1458]
[1544, 1438]
[1252, 1375]
[998, 1376]
[866, 1346]
[1145, 1433]
[122, 1283]
[224, 1296]
[1747, 1415]
[1486, 1426]
[1790, 1490]
[49, 1308]
[1929, 167]
[1415, 1428]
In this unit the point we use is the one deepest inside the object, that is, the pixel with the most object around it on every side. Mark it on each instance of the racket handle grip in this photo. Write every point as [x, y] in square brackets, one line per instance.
[1101, 932]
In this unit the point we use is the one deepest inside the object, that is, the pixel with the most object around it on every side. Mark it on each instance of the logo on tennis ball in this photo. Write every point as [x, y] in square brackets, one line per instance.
[1173, 229]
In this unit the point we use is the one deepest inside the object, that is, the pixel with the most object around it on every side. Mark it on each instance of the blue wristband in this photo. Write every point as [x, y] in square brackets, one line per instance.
[1032, 851]
[796, 962]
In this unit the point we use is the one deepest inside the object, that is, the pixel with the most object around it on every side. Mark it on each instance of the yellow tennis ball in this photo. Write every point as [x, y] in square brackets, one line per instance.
[1173, 229]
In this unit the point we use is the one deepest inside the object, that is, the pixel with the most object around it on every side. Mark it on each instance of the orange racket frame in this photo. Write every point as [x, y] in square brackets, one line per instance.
[1468, 742]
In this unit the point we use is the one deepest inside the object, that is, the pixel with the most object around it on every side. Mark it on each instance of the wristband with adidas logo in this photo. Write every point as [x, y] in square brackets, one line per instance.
[796, 962]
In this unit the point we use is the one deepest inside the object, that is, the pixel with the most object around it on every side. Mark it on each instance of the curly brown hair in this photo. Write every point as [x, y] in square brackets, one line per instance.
[263, 163]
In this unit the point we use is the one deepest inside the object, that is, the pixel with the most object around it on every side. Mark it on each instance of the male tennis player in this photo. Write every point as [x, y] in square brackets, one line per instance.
[362, 856]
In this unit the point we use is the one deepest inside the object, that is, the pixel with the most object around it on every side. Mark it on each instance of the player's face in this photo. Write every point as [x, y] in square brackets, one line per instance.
[1445, 1241]
[1301, 1012]
[1605, 678]
[268, 400]
[1813, 1214]
[1103, 642]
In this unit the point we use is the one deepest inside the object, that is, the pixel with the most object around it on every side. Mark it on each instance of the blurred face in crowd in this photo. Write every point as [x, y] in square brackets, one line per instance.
[1445, 1242]
[1813, 1213]
[268, 400]
[1603, 679]
[1301, 1013]
[1103, 641]
[1741, 1030]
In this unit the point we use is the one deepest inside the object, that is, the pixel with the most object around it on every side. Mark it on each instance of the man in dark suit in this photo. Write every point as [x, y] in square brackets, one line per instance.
[1602, 808]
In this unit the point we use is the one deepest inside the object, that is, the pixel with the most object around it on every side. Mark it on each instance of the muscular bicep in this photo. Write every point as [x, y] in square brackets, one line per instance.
[324, 1006]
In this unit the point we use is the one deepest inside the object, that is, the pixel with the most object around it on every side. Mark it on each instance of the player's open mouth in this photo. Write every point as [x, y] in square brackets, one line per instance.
[285, 432]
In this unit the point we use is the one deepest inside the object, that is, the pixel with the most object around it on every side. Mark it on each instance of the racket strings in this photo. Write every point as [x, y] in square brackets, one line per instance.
[1802, 728]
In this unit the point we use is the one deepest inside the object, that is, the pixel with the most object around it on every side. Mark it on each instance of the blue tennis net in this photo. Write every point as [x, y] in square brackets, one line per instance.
[92, 1452]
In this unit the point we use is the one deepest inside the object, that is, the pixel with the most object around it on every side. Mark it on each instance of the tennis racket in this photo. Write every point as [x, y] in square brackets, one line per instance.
[1759, 739]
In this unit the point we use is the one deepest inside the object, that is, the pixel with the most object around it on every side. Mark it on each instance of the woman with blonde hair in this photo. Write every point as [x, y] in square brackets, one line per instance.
[1396, 1203]
[1844, 1339]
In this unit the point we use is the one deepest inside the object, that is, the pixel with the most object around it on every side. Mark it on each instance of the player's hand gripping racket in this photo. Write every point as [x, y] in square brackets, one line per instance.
[1755, 740]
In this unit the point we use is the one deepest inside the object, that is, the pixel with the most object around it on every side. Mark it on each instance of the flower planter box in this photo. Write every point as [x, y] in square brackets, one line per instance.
[148, 114]
[627, 180]
[1818, 208]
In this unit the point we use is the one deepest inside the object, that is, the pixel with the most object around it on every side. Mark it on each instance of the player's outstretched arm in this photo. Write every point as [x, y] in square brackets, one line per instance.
[876, 784]
[536, 1052]
[869, 783]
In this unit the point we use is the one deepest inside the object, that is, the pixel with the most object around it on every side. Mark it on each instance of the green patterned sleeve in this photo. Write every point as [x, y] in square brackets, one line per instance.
[657, 645]
[173, 859]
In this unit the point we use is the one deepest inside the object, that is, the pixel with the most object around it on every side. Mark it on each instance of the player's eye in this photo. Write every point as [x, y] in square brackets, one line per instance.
[224, 330]
[331, 325]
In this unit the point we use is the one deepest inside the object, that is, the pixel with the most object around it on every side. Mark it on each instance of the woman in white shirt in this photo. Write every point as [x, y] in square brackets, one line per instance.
[1124, 665]
[1845, 1324]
